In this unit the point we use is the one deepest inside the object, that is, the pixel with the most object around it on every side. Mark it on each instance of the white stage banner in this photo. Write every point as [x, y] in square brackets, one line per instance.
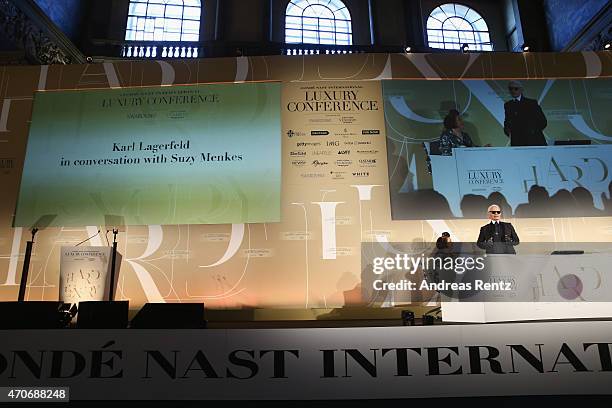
[552, 358]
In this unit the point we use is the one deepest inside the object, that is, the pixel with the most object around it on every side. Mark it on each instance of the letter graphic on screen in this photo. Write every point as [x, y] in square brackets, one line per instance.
[537, 148]
[195, 154]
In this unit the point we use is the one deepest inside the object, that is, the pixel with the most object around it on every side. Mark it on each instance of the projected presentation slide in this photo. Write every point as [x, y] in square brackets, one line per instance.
[197, 154]
[537, 148]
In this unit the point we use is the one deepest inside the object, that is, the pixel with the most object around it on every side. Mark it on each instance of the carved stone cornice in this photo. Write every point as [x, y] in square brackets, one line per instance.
[597, 44]
[595, 34]
[29, 29]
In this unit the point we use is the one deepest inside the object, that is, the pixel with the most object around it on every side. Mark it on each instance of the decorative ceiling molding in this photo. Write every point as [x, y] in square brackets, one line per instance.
[595, 34]
[30, 29]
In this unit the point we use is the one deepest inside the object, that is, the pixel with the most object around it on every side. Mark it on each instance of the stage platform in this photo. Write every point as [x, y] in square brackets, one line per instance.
[313, 359]
[314, 317]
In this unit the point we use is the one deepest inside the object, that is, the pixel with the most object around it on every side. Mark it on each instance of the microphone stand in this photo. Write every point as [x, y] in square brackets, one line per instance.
[26, 267]
[113, 261]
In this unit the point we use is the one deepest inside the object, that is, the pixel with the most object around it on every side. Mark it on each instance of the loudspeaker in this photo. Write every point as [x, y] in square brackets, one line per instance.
[170, 316]
[103, 315]
[32, 315]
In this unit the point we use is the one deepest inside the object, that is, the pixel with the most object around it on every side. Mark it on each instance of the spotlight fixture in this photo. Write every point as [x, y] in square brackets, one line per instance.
[407, 49]
[525, 48]
[407, 318]
[607, 46]
[465, 48]
[427, 320]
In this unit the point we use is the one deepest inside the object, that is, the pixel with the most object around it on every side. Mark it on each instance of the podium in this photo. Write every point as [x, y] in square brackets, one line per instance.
[541, 276]
[85, 273]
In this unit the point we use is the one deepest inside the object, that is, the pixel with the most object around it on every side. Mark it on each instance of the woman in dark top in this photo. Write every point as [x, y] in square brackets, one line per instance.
[453, 135]
[444, 241]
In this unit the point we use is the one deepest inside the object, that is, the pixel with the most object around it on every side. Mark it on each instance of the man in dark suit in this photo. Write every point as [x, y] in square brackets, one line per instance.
[524, 120]
[497, 237]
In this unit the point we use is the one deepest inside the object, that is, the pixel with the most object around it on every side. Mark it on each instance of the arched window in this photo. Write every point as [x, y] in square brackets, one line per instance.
[451, 25]
[318, 22]
[163, 20]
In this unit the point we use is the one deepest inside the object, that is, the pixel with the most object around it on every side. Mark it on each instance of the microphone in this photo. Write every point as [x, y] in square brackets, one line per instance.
[82, 242]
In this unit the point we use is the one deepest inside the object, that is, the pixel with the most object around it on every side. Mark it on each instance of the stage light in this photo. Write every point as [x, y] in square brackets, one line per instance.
[170, 316]
[407, 318]
[427, 320]
[465, 48]
[103, 314]
[67, 312]
[408, 49]
[607, 46]
[525, 47]
[33, 315]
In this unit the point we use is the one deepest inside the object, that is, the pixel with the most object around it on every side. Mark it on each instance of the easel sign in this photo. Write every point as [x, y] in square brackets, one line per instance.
[85, 273]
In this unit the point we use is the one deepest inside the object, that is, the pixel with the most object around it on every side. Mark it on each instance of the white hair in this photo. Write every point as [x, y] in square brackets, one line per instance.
[494, 205]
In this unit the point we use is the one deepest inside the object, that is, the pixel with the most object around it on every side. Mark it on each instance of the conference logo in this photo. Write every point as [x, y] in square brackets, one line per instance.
[298, 163]
[145, 116]
[312, 175]
[343, 163]
[370, 132]
[321, 153]
[333, 143]
[298, 153]
[361, 174]
[345, 132]
[485, 177]
[363, 142]
[317, 163]
[332, 101]
[293, 133]
[367, 151]
[576, 172]
[348, 119]
[345, 152]
[367, 162]
[307, 144]
[319, 133]
[338, 175]
[169, 115]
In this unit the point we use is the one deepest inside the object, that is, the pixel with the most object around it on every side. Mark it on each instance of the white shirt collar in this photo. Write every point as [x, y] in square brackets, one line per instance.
[518, 98]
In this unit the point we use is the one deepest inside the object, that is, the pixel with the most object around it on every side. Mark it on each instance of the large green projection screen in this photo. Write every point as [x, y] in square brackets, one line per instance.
[197, 154]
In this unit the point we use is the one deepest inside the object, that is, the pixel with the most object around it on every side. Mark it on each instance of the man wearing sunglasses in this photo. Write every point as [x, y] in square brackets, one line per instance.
[497, 237]
[524, 120]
